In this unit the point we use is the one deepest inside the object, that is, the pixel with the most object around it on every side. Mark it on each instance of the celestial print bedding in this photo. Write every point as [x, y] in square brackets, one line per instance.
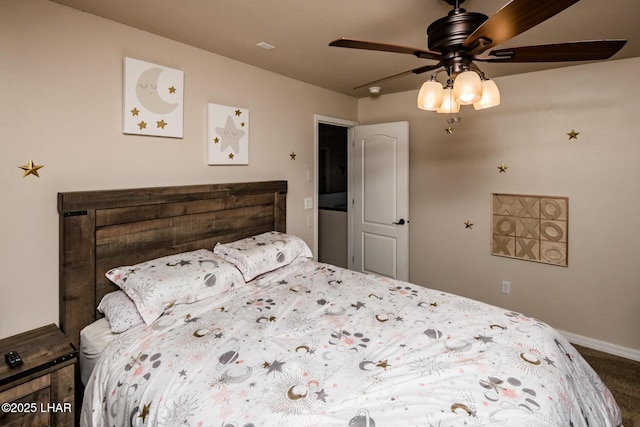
[311, 344]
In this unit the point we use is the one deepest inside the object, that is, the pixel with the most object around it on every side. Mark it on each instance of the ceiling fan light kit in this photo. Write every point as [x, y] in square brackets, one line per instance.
[460, 38]
[468, 88]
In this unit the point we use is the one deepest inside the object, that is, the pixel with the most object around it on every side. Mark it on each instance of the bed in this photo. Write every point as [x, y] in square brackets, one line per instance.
[239, 326]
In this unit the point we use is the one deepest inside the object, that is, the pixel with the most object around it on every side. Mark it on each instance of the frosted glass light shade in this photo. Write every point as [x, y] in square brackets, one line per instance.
[467, 88]
[490, 96]
[449, 105]
[430, 95]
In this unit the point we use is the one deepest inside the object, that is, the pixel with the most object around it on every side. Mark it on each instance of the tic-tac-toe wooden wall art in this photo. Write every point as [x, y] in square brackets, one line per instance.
[532, 228]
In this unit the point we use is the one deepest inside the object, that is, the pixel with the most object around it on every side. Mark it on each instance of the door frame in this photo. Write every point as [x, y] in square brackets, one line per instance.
[317, 119]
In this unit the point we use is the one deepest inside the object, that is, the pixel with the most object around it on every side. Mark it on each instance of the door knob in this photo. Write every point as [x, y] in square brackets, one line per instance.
[400, 222]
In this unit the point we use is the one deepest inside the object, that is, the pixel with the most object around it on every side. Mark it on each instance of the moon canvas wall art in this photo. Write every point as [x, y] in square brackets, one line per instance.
[153, 99]
[228, 135]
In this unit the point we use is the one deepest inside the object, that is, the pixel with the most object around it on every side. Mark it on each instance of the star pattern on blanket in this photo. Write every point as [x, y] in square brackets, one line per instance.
[324, 345]
[275, 366]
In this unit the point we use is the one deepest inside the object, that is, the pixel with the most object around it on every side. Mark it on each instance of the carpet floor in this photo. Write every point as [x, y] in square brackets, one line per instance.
[622, 377]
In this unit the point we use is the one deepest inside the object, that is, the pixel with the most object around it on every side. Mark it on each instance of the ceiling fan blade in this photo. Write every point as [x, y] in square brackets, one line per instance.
[363, 44]
[560, 52]
[418, 70]
[514, 18]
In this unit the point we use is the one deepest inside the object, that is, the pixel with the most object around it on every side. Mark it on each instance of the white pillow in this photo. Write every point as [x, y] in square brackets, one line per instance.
[183, 278]
[263, 253]
[120, 311]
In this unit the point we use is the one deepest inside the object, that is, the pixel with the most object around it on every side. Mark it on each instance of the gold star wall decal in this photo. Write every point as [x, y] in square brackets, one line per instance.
[573, 134]
[231, 156]
[135, 112]
[142, 125]
[172, 89]
[293, 155]
[502, 168]
[216, 140]
[238, 112]
[449, 130]
[30, 169]
[468, 224]
[161, 124]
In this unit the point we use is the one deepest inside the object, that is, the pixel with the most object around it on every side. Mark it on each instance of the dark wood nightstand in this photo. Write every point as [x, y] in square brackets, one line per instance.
[40, 392]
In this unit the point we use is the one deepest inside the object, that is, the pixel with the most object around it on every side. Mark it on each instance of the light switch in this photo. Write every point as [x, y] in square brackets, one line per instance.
[308, 203]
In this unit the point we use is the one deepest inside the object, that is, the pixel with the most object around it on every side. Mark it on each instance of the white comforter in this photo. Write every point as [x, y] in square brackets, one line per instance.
[314, 345]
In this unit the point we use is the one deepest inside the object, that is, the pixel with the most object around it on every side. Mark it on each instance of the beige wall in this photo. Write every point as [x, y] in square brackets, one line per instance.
[452, 178]
[61, 103]
[61, 84]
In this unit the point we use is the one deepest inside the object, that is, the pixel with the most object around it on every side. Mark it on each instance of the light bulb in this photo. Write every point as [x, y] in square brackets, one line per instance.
[490, 96]
[467, 88]
[430, 95]
[449, 105]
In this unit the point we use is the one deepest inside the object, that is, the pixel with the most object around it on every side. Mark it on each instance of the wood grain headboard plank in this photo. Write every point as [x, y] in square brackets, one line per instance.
[140, 213]
[100, 230]
[105, 199]
[77, 254]
[179, 229]
[144, 239]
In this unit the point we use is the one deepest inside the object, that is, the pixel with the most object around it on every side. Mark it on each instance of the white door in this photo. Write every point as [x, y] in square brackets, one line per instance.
[380, 200]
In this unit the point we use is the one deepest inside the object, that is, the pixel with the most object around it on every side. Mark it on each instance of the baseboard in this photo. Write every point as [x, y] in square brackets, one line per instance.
[627, 353]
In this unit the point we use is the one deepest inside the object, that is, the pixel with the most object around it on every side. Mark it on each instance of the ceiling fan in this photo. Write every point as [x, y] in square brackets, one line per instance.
[460, 38]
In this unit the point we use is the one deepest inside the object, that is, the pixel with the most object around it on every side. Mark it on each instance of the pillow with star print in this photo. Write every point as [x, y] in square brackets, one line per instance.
[183, 278]
[121, 312]
[263, 253]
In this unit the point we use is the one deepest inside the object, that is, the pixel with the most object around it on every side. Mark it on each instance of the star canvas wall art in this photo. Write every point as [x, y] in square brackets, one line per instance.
[153, 99]
[228, 135]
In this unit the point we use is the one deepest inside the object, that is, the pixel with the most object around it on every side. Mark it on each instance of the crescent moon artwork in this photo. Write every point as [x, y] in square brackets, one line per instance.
[153, 99]
[228, 135]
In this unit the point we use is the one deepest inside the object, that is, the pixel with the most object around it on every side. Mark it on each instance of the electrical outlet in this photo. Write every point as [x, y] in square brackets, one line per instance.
[506, 287]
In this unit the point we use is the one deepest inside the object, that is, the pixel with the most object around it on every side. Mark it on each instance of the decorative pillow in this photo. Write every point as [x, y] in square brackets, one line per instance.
[120, 311]
[263, 253]
[176, 279]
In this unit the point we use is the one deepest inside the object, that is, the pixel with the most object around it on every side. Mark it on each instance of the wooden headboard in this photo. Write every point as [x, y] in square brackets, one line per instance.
[100, 230]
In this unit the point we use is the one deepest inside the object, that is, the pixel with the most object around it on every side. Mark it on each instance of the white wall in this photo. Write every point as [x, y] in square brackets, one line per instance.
[453, 176]
[61, 105]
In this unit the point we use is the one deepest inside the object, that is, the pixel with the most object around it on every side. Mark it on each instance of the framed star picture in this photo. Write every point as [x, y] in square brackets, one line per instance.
[153, 99]
[228, 135]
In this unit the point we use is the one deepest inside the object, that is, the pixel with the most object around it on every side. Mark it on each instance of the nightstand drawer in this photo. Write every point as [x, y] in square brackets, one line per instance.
[27, 404]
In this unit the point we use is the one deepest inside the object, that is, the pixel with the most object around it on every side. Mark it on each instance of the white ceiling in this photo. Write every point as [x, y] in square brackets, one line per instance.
[301, 30]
